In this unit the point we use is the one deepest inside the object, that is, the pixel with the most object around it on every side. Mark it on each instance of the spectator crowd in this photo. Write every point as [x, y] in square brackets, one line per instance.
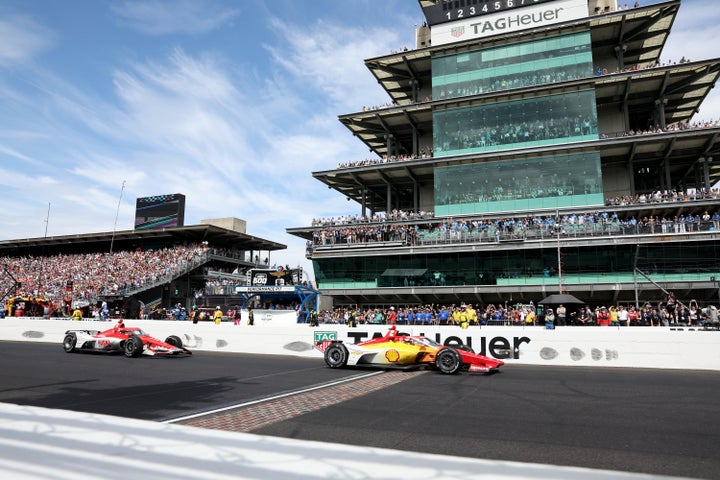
[420, 228]
[88, 276]
[668, 312]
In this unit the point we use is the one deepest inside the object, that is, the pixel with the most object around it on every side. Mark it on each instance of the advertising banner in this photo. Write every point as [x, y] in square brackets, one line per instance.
[509, 21]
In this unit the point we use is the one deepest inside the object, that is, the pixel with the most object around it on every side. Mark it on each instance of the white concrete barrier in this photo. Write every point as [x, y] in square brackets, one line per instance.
[640, 347]
[38, 443]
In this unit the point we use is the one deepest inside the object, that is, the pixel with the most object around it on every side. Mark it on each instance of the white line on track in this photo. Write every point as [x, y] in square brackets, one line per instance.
[274, 397]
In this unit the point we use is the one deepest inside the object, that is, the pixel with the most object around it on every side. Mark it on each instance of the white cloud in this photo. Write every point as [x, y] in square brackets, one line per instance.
[186, 110]
[22, 39]
[330, 58]
[6, 151]
[164, 17]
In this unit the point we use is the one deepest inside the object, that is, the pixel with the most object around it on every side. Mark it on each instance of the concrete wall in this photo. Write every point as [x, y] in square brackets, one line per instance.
[231, 223]
[277, 334]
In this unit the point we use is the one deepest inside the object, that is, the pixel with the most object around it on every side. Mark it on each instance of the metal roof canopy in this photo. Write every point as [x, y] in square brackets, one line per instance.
[679, 150]
[638, 34]
[682, 88]
[130, 239]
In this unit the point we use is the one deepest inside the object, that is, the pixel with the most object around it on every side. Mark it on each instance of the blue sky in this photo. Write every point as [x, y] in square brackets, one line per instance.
[233, 103]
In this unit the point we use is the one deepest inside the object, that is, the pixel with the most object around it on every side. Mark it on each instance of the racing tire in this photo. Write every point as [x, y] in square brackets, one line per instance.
[174, 340]
[133, 347]
[448, 361]
[69, 342]
[336, 355]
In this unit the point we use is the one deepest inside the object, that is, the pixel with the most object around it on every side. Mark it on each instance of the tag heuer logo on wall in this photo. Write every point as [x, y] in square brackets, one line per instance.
[324, 339]
[457, 31]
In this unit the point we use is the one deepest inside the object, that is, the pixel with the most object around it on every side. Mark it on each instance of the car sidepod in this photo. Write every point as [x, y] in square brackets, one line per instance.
[391, 354]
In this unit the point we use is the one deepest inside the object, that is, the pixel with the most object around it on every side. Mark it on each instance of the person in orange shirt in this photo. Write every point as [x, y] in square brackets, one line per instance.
[633, 317]
[392, 316]
[603, 317]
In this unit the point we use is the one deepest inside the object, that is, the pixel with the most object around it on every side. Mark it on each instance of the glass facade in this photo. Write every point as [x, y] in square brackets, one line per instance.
[607, 263]
[544, 61]
[537, 121]
[519, 185]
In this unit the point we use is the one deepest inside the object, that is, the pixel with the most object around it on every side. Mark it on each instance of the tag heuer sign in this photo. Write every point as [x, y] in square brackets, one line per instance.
[457, 31]
[324, 339]
[325, 336]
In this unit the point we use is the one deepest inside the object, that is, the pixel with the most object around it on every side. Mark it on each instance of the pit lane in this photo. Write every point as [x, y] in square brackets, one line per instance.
[651, 421]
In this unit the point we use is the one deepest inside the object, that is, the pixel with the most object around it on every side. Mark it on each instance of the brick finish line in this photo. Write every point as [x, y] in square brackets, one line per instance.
[247, 419]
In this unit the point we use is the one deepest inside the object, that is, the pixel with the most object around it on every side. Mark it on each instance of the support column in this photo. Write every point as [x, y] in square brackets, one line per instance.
[416, 197]
[620, 54]
[364, 203]
[660, 104]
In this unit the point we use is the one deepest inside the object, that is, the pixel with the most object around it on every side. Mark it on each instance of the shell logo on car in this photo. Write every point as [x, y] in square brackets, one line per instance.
[392, 355]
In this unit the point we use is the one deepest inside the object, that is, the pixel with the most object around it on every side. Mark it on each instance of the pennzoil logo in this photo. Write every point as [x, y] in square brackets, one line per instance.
[457, 31]
[392, 355]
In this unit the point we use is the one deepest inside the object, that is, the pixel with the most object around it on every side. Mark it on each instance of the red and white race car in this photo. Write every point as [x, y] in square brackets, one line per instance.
[132, 341]
[404, 351]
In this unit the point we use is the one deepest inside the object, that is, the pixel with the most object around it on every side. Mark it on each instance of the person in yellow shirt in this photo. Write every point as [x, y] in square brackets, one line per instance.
[471, 315]
[77, 314]
[614, 321]
[456, 316]
[217, 316]
[530, 318]
[463, 317]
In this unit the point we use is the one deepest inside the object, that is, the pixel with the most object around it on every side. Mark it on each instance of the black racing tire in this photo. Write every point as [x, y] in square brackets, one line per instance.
[174, 340]
[336, 355]
[133, 347]
[69, 342]
[448, 361]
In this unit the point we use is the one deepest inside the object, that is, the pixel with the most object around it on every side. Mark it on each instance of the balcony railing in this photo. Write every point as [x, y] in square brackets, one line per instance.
[347, 239]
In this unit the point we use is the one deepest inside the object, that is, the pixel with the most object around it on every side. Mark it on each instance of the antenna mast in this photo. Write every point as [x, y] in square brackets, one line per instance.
[117, 213]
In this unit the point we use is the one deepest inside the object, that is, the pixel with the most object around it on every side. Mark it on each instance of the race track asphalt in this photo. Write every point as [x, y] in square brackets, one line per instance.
[664, 422]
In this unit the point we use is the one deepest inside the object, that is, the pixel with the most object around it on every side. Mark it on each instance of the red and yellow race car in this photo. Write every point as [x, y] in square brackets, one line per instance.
[405, 351]
[132, 341]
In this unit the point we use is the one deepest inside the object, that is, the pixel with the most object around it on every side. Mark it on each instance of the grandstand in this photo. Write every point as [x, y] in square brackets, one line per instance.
[529, 150]
[154, 270]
